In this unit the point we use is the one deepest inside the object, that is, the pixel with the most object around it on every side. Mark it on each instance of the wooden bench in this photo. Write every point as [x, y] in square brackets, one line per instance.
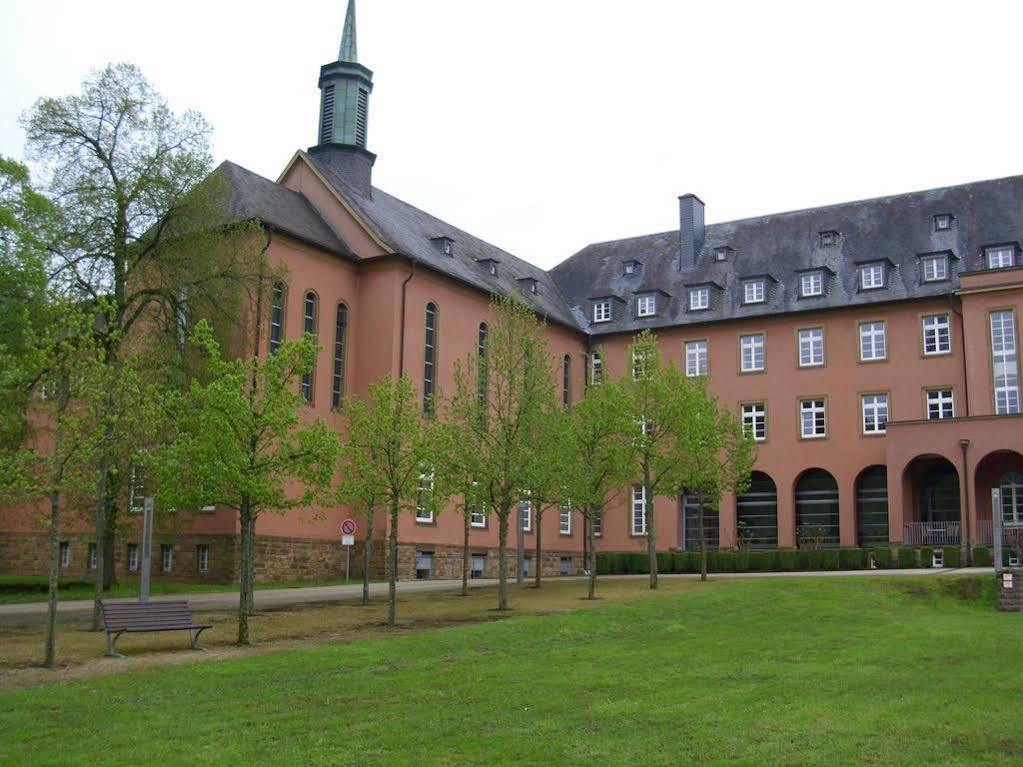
[147, 617]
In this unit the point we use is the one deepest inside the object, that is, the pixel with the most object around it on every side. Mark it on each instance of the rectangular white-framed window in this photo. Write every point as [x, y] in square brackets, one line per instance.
[696, 358]
[1005, 362]
[753, 292]
[646, 306]
[872, 276]
[479, 562]
[133, 557]
[424, 565]
[166, 557]
[526, 515]
[639, 526]
[811, 347]
[596, 369]
[565, 519]
[202, 557]
[699, 298]
[875, 413]
[424, 500]
[638, 365]
[92, 556]
[873, 341]
[940, 404]
[1001, 257]
[754, 420]
[751, 353]
[811, 284]
[942, 221]
[478, 518]
[813, 418]
[137, 489]
[937, 334]
[65, 554]
[602, 311]
[935, 267]
[598, 523]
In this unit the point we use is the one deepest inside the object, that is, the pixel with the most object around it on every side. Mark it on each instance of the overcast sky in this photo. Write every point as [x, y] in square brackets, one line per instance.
[543, 125]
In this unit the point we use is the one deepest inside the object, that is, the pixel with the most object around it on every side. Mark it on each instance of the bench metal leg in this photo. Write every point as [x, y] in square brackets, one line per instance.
[112, 637]
[193, 637]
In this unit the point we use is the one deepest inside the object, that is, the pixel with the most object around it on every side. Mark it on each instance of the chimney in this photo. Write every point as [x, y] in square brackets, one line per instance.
[690, 230]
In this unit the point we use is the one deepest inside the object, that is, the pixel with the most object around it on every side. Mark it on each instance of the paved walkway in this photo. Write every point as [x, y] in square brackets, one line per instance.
[35, 612]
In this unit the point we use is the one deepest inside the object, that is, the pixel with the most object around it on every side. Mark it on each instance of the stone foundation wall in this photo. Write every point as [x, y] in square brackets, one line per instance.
[446, 561]
[1010, 598]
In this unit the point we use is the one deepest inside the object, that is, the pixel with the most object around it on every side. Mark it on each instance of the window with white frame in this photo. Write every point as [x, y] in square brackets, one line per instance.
[875, 413]
[137, 489]
[598, 523]
[646, 306]
[811, 347]
[601, 311]
[811, 284]
[92, 556]
[699, 298]
[526, 515]
[935, 267]
[133, 557]
[1005, 362]
[202, 557]
[751, 352]
[1001, 257]
[813, 418]
[942, 222]
[639, 364]
[596, 369]
[753, 292]
[873, 341]
[478, 518]
[937, 334]
[565, 519]
[65, 554]
[940, 404]
[872, 276]
[166, 557]
[639, 526]
[424, 565]
[754, 420]
[696, 358]
[424, 500]
[479, 562]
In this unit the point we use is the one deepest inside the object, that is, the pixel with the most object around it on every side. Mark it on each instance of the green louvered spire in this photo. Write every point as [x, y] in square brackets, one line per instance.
[349, 50]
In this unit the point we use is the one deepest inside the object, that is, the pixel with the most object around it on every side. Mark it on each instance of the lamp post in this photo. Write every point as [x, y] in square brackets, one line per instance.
[967, 550]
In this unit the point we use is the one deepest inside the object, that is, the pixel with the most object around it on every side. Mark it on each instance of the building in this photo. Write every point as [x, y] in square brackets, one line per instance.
[871, 347]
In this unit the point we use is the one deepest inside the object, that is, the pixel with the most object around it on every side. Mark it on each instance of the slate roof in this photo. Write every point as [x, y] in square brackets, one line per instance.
[256, 198]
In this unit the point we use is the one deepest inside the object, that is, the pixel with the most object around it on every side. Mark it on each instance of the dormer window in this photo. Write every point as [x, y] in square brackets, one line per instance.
[935, 267]
[445, 244]
[722, 253]
[1000, 257]
[602, 311]
[872, 276]
[699, 298]
[811, 284]
[489, 264]
[942, 222]
[828, 238]
[646, 306]
[528, 283]
[631, 267]
[493, 268]
[754, 292]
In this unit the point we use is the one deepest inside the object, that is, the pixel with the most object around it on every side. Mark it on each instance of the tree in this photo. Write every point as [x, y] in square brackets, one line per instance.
[498, 415]
[143, 236]
[359, 490]
[242, 433]
[598, 459]
[545, 485]
[391, 456]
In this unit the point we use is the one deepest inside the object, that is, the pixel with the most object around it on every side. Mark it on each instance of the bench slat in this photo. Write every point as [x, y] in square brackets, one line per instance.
[138, 617]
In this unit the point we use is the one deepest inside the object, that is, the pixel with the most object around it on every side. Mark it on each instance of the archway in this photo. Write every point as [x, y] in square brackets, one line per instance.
[817, 510]
[932, 515]
[872, 507]
[757, 514]
[1002, 469]
[693, 508]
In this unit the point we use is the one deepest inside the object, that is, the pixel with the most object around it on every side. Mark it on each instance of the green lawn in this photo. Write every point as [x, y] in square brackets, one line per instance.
[841, 671]
[28, 588]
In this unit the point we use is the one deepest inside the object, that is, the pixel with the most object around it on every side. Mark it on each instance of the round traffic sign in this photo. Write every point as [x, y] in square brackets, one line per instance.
[348, 527]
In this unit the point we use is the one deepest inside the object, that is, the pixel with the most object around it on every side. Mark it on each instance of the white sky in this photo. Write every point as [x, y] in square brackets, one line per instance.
[544, 125]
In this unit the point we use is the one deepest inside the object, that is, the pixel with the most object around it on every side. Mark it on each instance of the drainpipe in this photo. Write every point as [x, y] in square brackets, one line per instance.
[404, 295]
[962, 346]
[965, 445]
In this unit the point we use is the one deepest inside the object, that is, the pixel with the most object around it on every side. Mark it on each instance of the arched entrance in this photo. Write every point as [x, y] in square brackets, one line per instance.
[872, 507]
[757, 514]
[695, 510]
[932, 508]
[1011, 486]
[817, 510]
[1002, 469]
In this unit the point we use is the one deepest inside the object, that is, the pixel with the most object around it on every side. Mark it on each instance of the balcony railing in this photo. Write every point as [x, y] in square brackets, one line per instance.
[985, 533]
[931, 534]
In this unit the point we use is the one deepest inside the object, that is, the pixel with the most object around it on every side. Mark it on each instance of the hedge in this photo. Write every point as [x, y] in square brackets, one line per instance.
[907, 558]
[983, 556]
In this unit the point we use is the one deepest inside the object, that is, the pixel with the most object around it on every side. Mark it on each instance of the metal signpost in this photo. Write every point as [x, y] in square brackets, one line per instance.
[348, 540]
[147, 548]
[520, 575]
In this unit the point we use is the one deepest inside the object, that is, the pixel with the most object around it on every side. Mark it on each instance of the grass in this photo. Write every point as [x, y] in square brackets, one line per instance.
[30, 588]
[805, 671]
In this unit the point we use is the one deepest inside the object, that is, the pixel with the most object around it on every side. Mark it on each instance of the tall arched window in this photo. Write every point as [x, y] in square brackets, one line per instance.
[277, 303]
[340, 340]
[309, 321]
[430, 358]
[481, 363]
[566, 381]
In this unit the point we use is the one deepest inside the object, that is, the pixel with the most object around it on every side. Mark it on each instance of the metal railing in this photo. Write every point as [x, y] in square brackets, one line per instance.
[932, 533]
[984, 533]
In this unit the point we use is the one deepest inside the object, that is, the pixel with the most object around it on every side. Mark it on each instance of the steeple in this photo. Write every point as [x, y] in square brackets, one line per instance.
[345, 86]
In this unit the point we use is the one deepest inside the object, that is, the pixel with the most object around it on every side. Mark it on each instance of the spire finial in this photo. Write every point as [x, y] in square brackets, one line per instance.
[348, 50]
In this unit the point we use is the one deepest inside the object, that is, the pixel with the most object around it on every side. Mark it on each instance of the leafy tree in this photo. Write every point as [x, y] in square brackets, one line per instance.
[545, 485]
[498, 412]
[598, 459]
[142, 236]
[242, 433]
[391, 455]
[359, 490]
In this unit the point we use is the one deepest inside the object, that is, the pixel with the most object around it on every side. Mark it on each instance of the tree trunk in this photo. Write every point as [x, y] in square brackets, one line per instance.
[538, 559]
[651, 540]
[703, 545]
[392, 576]
[244, 571]
[99, 514]
[502, 559]
[367, 554]
[109, 522]
[250, 557]
[591, 540]
[51, 607]
[465, 554]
